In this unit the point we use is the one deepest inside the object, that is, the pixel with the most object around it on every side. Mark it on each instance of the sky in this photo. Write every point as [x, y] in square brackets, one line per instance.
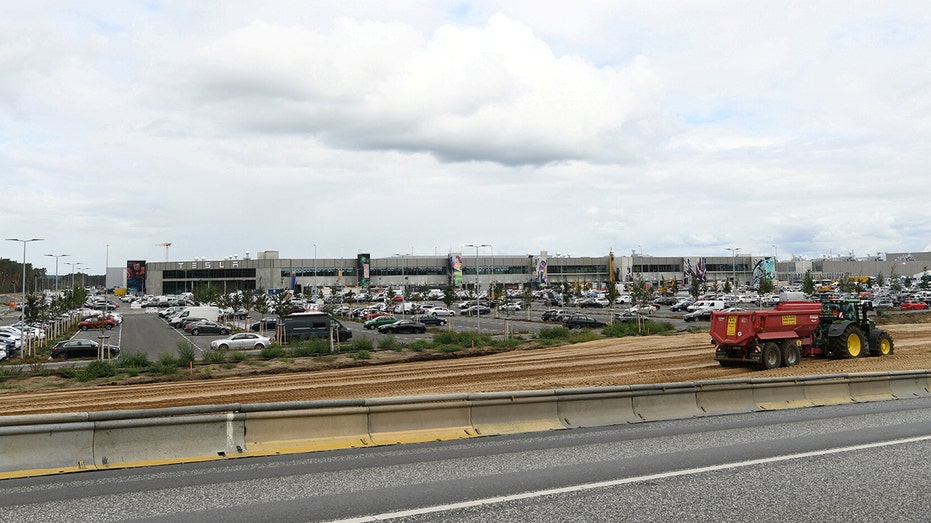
[331, 128]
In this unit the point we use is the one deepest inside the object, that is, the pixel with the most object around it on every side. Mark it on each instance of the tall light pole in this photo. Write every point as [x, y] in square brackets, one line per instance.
[22, 304]
[403, 310]
[477, 304]
[735, 250]
[315, 273]
[56, 256]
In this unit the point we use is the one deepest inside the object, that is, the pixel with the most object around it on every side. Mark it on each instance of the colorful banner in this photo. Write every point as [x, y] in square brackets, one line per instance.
[455, 269]
[363, 262]
[135, 276]
[764, 268]
[541, 274]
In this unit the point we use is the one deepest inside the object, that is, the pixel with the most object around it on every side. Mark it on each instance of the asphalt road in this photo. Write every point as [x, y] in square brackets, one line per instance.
[856, 462]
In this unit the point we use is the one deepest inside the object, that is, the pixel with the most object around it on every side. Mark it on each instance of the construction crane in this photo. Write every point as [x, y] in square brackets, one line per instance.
[166, 245]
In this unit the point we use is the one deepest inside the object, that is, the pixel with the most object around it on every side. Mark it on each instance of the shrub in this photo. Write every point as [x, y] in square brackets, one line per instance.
[238, 355]
[311, 347]
[506, 343]
[621, 329]
[360, 355]
[67, 373]
[163, 368]
[214, 356]
[167, 359]
[554, 333]
[135, 360]
[361, 344]
[388, 342]
[419, 345]
[187, 353]
[272, 351]
[463, 339]
[96, 369]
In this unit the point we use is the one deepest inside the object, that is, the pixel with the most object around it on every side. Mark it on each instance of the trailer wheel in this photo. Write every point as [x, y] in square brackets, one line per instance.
[791, 355]
[880, 343]
[849, 344]
[772, 356]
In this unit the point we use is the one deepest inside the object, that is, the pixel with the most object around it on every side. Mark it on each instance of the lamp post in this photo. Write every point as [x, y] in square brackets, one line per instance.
[56, 256]
[315, 273]
[74, 268]
[22, 304]
[735, 250]
[396, 255]
[477, 310]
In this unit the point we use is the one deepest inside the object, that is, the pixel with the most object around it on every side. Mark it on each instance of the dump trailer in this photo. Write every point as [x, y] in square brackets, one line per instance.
[781, 336]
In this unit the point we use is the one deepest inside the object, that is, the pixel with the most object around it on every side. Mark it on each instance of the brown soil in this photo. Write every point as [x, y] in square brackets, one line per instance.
[609, 362]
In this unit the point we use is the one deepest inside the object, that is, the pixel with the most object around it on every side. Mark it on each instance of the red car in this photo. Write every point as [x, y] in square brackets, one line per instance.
[97, 323]
[913, 305]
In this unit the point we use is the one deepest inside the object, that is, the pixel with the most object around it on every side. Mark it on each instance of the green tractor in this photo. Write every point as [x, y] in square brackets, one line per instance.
[845, 331]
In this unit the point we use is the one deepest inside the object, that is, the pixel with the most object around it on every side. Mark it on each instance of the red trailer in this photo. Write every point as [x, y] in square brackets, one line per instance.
[781, 336]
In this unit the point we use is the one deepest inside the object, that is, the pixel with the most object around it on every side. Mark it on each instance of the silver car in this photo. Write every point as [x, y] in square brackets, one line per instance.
[243, 340]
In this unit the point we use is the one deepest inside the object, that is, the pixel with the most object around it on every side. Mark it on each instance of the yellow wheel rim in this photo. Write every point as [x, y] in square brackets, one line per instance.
[853, 346]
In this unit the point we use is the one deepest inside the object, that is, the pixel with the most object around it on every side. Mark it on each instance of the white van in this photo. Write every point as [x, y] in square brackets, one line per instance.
[715, 305]
[206, 312]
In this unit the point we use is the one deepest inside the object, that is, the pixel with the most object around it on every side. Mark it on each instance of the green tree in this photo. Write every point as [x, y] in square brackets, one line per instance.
[880, 280]
[895, 282]
[694, 287]
[808, 283]
[766, 286]
[449, 296]
[206, 293]
[925, 279]
[641, 293]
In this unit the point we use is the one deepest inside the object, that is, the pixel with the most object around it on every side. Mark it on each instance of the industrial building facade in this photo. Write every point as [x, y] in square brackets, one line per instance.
[266, 271]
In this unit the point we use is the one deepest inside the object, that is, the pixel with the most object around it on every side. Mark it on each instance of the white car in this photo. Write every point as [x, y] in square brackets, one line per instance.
[17, 339]
[243, 340]
[439, 311]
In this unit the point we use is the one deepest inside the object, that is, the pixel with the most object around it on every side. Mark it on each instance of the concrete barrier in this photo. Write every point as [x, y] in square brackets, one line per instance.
[48, 444]
[870, 387]
[665, 401]
[596, 407]
[419, 419]
[725, 397]
[137, 442]
[909, 384]
[508, 413]
[828, 390]
[37, 445]
[776, 393]
[305, 426]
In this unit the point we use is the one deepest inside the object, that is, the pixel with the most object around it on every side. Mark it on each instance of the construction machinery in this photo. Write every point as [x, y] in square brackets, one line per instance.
[793, 329]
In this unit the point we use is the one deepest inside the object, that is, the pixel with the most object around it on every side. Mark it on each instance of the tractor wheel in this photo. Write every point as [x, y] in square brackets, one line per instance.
[880, 343]
[791, 355]
[849, 344]
[772, 356]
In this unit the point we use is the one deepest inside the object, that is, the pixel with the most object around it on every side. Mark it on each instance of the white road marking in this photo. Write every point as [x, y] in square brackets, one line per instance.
[613, 483]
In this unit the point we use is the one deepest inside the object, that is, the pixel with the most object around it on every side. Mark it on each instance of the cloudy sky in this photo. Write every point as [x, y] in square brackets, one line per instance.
[672, 128]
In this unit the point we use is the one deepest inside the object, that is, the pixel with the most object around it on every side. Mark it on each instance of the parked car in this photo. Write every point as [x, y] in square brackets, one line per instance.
[439, 311]
[428, 319]
[75, 348]
[580, 321]
[703, 314]
[553, 315]
[681, 306]
[913, 305]
[268, 324]
[206, 327]
[378, 321]
[243, 340]
[97, 323]
[477, 310]
[626, 317]
[403, 327]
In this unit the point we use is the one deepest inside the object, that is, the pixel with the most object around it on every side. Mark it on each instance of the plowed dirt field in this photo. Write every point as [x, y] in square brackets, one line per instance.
[609, 362]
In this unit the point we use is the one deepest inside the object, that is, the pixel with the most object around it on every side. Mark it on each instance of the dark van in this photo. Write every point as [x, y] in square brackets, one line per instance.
[306, 325]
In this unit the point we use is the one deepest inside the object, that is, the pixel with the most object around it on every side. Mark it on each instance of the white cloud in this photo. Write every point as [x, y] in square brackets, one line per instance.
[528, 125]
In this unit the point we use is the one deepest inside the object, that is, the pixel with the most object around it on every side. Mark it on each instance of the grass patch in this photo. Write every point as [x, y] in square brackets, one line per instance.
[167, 359]
[361, 344]
[361, 355]
[272, 351]
[187, 353]
[389, 342]
[135, 360]
[554, 333]
[238, 355]
[622, 329]
[214, 356]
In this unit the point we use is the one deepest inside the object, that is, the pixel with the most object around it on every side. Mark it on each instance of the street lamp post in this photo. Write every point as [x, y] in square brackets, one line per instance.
[22, 304]
[56, 256]
[478, 311]
[403, 310]
[735, 250]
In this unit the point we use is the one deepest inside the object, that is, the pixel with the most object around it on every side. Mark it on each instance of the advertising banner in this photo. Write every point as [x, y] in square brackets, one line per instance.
[455, 269]
[135, 276]
[364, 263]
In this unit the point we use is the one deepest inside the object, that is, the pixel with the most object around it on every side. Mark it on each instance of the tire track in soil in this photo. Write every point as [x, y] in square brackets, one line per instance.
[610, 362]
